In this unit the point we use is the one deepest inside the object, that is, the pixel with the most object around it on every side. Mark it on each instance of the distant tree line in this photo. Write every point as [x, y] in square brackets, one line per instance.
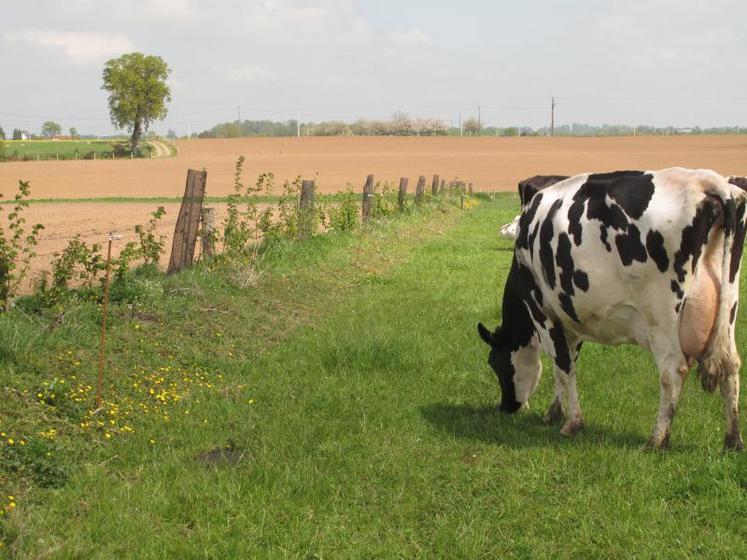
[580, 129]
[399, 125]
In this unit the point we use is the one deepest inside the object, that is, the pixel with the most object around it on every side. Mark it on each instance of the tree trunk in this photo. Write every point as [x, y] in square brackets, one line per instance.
[137, 132]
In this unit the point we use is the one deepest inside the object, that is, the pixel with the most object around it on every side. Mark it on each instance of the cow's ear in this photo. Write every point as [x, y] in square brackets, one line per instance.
[485, 334]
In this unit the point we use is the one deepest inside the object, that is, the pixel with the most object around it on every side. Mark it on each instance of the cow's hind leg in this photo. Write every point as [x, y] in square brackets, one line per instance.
[729, 387]
[673, 369]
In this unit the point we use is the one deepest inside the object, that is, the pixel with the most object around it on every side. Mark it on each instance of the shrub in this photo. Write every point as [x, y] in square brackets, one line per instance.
[17, 250]
[346, 216]
[151, 245]
[244, 223]
[385, 201]
[77, 261]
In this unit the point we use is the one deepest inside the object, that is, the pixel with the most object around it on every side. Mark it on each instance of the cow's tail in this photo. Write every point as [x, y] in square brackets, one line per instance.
[720, 358]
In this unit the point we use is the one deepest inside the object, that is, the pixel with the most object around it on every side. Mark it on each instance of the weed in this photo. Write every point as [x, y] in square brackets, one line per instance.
[151, 245]
[346, 216]
[17, 250]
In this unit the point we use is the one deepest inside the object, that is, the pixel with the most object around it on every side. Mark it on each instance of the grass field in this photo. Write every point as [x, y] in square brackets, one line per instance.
[343, 408]
[62, 149]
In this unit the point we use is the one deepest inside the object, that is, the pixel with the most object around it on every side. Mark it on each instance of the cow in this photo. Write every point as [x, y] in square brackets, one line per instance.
[642, 257]
[741, 182]
[527, 189]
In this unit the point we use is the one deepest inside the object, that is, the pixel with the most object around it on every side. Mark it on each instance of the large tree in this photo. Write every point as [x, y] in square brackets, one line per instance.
[50, 129]
[2, 133]
[137, 92]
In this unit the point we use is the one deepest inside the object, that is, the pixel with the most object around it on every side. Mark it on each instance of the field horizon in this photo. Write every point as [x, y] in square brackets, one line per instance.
[491, 163]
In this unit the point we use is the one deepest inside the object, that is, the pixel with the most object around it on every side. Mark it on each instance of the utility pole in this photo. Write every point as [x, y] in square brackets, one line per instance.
[552, 117]
[479, 120]
[298, 124]
[238, 118]
[460, 123]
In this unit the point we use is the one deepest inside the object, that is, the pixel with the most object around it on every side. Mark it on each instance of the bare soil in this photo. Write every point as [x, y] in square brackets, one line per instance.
[489, 163]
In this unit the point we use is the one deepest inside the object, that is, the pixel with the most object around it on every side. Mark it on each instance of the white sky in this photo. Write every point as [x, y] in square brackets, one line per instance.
[660, 62]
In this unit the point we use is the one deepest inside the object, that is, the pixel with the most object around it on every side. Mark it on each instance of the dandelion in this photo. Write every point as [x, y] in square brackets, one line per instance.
[11, 441]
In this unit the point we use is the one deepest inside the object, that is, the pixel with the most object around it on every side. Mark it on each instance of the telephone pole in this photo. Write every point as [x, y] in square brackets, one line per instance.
[479, 120]
[298, 124]
[460, 123]
[552, 117]
[238, 118]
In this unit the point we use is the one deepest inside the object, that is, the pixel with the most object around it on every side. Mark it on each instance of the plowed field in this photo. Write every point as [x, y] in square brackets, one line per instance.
[489, 163]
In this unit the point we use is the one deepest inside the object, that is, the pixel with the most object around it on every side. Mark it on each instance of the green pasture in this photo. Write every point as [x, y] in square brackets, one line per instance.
[32, 150]
[339, 405]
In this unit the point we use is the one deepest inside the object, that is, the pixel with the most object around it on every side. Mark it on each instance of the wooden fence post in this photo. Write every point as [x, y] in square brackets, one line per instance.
[367, 198]
[402, 192]
[306, 210]
[442, 190]
[434, 185]
[208, 232]
[420, 190]
[185, 233]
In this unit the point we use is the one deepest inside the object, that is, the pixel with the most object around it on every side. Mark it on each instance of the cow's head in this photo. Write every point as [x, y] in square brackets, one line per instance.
[518, 368]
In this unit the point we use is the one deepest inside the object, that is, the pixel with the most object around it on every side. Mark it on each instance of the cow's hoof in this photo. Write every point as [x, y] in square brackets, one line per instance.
[554, 414]
[657, 444]
[570, 429]
[733, 442]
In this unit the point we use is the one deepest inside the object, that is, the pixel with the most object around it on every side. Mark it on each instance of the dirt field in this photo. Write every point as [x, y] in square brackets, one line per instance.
[490, 163]
[94, 221]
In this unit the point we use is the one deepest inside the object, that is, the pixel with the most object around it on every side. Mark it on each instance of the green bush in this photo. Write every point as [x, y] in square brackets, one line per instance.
[17, 246]
[346, 216]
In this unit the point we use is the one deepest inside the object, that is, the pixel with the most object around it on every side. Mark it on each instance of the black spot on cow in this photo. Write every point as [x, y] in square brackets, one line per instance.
[569, 276]
[738, 246]
[603, 237]
[581, 279]
[632, 190]
[656, 250]
[629, 246]
[525, 220]
[733, 313]
[545, 241]
[566, 304]
[695, 235]
[677, 307]
[564, 260]
[610, 198]
[562, 355]
[676, 289]
[533, 235]
[529, 187]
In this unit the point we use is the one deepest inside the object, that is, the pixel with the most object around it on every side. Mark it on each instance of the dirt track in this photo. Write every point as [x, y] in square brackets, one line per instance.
[490, 163]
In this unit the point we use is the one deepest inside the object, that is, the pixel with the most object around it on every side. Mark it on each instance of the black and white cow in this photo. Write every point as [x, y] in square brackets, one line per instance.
[527, 189]
[649, 258]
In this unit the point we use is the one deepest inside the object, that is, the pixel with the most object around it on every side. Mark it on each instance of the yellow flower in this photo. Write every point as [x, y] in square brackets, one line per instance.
[11, 441]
